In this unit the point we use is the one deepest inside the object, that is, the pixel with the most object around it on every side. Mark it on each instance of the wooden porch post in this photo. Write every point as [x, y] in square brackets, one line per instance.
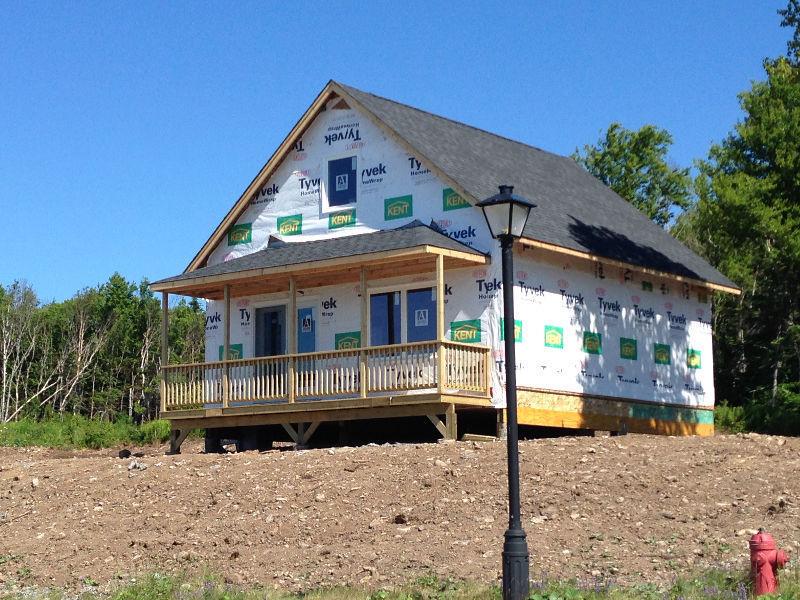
[362, 356]
[440, 320]
[226, 345]
[291, 336]
[164, 347]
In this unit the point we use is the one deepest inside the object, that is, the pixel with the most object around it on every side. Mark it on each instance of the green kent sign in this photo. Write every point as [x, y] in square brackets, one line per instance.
[466, 332]
[291, 225]
[662, 354]
[451, 200]
[553, 336]
[592, 342]
[348, 340]
[235, 351]
[693, 359]
[398, 208]
[628, 349]
[240, 234]
[517, 330]
[344, 218]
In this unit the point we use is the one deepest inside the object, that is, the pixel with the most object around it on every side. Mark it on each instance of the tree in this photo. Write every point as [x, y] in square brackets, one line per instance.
[45, 352]
[747, 223]
[791, 18]
[187, 332]
[634, 164]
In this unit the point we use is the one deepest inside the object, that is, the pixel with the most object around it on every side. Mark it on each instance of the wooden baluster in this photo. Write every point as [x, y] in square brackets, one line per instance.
[257, 380]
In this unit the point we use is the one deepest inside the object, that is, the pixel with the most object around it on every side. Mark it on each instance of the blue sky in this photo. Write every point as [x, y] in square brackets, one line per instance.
[127, 130]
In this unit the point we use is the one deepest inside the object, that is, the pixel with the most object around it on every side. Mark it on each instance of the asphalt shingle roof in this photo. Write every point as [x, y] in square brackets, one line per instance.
[574, 209]
[283, 253]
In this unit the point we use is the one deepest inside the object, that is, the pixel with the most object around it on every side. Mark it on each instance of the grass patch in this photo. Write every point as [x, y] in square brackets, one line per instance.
[75, 432]
[711, 585]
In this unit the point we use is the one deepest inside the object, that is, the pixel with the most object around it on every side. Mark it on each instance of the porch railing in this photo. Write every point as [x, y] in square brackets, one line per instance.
[336, 374]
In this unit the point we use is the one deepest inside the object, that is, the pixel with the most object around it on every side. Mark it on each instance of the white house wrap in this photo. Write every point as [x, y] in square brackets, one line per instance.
[613, 318]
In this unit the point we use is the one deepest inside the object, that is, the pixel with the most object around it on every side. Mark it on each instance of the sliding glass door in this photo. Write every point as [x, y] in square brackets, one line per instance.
[398, 316]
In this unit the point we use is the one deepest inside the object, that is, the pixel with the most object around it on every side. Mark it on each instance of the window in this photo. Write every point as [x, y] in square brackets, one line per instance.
[389, 310]
[384, 319]
[342, 181]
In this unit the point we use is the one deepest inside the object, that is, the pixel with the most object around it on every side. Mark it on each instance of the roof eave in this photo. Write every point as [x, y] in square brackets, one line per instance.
[173, 285]
[717, 287]
[266, 171]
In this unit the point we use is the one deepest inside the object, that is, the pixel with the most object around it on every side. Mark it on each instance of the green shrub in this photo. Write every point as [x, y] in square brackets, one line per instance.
[75, 431]
[153, 432]
[730, 419]
[780, 416]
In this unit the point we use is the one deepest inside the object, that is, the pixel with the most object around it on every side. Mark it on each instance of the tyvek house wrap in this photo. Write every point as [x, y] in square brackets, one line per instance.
[581, 327]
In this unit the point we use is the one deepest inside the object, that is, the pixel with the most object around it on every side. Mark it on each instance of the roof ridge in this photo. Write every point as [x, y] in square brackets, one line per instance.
[442, 117]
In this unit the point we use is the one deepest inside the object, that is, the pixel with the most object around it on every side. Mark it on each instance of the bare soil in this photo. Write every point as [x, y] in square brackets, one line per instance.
[635, 508]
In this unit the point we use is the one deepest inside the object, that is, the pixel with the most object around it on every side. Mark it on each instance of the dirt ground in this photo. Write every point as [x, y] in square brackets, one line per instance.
[634, 508]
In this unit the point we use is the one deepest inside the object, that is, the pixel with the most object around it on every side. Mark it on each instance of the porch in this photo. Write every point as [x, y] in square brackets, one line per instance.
[363, 377]
[441, 367]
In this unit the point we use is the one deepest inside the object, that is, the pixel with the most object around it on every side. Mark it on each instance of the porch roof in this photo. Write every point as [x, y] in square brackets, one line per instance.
[410, 249]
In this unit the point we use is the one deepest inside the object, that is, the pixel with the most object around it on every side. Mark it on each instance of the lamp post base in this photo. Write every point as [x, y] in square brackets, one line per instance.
[516, 568]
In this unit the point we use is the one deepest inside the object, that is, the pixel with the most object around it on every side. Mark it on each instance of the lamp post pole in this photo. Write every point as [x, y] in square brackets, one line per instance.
[506, 215]
[516, 568]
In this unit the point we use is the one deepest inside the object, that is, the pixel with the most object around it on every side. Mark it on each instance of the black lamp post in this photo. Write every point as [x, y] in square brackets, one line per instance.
[506, 215]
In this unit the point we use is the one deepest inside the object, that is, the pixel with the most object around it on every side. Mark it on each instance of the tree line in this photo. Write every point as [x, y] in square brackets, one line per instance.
[97, 354]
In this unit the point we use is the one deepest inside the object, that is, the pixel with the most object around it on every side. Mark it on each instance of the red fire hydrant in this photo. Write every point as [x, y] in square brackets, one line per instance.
[765, 560]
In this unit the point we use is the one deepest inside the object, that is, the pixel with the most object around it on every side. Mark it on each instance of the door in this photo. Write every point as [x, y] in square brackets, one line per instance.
[421, 315]
[270, 331]
[384, 319]
[306, 330]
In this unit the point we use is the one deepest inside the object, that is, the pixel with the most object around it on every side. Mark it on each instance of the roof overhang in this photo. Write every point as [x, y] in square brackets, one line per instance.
[716, 287]
[378, 265]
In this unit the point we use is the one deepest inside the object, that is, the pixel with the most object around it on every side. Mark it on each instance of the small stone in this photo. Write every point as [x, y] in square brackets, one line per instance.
[319, 497]
[401, 519]
[34, 483]
[440, 463]
[538, 520]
